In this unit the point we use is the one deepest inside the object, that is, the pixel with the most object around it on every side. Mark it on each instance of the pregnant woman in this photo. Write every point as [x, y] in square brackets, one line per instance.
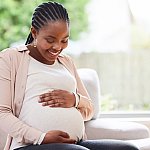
[43, 103]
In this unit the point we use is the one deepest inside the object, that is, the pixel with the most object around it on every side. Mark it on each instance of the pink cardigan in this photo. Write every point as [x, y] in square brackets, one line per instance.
[13, 74]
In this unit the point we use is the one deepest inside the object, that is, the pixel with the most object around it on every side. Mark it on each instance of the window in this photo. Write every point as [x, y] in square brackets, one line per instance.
[117, 46]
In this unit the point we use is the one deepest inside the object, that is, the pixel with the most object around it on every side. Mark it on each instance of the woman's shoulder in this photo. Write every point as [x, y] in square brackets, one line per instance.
[65, 56]
[67, 61]
[12, 51]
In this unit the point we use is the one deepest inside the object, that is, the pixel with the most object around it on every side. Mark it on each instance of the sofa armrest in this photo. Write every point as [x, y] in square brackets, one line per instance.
[115, 129]
[90, 80]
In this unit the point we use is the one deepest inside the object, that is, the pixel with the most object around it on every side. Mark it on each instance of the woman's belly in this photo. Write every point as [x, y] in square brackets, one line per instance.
[47, 118]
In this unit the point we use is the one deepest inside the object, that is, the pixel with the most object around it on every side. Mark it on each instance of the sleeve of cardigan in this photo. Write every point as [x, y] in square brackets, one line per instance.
[8, 122]
[85, 105]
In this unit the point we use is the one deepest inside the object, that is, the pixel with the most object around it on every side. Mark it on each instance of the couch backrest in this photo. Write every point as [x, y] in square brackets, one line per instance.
[91, 82]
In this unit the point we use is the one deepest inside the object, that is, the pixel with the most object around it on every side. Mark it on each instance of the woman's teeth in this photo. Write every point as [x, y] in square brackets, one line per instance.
[54, 53]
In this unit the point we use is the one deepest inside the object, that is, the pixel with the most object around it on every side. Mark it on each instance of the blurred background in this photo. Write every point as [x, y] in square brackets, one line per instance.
[110, 36]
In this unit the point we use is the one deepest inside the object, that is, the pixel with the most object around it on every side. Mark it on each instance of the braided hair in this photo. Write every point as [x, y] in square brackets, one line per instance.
[49, 11]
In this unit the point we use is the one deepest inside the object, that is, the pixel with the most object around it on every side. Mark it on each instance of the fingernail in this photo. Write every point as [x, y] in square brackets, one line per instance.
[43, 104]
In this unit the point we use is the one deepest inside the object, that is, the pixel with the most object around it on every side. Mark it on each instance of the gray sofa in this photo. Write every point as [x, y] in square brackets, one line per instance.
[100, 128]
[111, 128]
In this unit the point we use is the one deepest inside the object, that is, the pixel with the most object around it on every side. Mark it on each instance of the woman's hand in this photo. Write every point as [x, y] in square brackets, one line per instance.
[57, 136]
[58, 98]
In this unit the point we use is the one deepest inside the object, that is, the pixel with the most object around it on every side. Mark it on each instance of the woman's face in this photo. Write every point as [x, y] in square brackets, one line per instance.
[51, 40]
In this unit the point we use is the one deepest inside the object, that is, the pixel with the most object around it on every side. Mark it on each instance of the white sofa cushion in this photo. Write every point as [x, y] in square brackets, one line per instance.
[112, 129]
[91, 82]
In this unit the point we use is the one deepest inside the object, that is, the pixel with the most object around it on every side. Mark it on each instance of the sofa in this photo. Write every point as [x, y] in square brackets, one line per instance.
[111, 128]
[106, 128]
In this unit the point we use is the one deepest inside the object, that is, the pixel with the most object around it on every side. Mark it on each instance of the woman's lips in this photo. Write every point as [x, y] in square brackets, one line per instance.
[54, 53]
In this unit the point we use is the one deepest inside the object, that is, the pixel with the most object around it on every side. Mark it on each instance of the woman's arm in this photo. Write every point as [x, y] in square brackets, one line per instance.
[8, 122]
[85, 105]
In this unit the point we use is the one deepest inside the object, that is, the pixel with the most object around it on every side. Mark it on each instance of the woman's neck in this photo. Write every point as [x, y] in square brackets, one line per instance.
[33, 52]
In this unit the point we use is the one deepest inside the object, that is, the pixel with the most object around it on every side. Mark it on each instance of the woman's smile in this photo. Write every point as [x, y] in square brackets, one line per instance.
[54, 53]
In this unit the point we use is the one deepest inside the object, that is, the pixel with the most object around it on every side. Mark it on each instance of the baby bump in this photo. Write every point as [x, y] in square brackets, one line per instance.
[65, 119]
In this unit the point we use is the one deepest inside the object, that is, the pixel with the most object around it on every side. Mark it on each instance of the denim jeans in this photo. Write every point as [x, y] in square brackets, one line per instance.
[84, 145]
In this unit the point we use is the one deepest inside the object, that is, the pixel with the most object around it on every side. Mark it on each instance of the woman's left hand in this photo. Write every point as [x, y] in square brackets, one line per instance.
[58, 98]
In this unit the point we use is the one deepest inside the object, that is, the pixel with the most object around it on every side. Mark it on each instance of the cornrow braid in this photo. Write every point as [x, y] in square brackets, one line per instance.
[50, 11]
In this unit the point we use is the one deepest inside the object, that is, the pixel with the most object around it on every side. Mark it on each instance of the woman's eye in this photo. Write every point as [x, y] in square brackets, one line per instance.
[50, 41]
[65, 41]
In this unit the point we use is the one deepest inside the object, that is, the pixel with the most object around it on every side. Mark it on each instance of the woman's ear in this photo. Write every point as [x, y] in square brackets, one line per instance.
[33, 32]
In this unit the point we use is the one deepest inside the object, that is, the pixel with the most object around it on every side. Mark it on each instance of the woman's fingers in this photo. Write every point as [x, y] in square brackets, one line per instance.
[52, 99]
[57, 98]
[50, 96]
[57, 136]
[66, 138]
[64, 134]
[52, 102]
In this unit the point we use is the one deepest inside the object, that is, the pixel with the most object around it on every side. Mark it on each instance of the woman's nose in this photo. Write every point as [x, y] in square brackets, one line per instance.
[57, 46]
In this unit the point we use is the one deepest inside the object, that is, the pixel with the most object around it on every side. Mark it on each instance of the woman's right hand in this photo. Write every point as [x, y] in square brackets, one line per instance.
[57, 136]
